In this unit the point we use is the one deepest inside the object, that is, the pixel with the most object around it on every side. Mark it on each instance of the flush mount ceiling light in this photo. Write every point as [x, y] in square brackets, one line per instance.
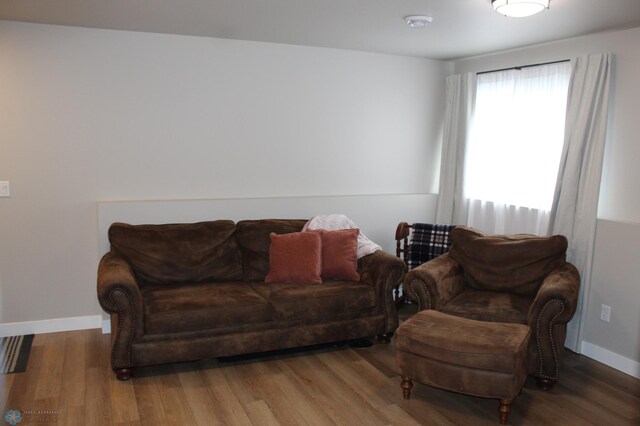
[519, 8]
[418, 21]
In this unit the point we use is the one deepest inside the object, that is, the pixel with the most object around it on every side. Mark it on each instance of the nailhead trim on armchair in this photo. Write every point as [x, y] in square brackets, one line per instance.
[553, 343]
[418, 295]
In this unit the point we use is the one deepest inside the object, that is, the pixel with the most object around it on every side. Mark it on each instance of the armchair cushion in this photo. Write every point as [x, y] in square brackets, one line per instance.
[506, 263]
[489, 306]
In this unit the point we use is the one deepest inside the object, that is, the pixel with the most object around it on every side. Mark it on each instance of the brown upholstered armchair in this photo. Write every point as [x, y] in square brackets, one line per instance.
[512, 279]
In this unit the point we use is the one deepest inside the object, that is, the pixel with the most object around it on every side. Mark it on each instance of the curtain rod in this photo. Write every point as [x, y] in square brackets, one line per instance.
[524, 66]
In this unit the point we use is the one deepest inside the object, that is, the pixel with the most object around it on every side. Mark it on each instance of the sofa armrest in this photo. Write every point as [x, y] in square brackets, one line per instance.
[553, 307]
[434, 283]
[383, 271]
[118, 293]
[116, 276]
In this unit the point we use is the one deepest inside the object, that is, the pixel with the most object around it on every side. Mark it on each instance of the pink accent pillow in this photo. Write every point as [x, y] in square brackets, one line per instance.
[339, 254]
[295, 258]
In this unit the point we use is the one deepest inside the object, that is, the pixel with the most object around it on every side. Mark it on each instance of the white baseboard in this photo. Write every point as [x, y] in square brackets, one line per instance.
[106, 326]
[50, 326]
[611, 359]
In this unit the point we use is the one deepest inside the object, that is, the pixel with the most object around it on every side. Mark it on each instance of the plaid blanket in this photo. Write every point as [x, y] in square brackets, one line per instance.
[428, 242]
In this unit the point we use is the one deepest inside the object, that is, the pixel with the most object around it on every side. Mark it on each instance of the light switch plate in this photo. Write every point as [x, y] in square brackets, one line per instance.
[5, 189]
[605, 313]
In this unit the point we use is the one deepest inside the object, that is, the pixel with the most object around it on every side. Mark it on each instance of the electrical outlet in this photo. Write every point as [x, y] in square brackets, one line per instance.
[5, 189]
[605, 313]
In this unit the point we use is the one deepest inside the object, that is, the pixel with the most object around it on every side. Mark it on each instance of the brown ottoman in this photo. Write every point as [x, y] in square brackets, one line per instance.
[485, 359]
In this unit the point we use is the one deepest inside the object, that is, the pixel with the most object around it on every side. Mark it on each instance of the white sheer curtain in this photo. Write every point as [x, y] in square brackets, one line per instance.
[575, 201]
[502, 218]
[460, 92]
[514, 148]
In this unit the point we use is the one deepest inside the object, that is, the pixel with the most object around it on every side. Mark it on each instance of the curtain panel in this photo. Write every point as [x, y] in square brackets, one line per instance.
[460, 98]
[575, 204]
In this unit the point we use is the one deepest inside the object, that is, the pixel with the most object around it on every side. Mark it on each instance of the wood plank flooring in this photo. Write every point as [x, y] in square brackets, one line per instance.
[69, 381]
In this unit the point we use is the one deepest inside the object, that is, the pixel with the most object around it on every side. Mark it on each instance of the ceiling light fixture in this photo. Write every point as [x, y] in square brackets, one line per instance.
[418, 21]
[519, 8]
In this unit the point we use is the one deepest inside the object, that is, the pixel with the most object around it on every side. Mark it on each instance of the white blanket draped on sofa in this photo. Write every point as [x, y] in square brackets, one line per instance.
[333, 222]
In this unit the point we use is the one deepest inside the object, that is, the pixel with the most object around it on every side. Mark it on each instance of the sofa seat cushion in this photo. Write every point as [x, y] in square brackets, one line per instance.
[306, 301]
[192, 307]
[489, 306]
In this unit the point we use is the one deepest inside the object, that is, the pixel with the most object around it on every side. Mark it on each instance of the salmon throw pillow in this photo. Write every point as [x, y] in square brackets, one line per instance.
[295, 258]
[339, 254]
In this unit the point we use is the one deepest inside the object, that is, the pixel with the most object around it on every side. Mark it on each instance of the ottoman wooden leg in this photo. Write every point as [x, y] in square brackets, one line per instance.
[385, 338]
[407, 385]
[504, 410]
[124, 373]
[545, 384]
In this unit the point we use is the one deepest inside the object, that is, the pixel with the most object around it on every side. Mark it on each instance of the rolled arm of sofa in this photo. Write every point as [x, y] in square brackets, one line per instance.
[434, 283]
[118, 293]
[383, 271]
[553, 307]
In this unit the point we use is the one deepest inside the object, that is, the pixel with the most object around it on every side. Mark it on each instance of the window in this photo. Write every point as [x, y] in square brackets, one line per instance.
[515, 144]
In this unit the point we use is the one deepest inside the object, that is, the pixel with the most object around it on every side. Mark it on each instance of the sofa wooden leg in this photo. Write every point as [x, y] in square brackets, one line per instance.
[406, 385]
[545, 384]
[385, 338]
[123, 374]
[504, 410]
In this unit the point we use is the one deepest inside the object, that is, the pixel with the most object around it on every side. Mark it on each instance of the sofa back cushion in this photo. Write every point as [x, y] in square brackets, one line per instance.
[178, 253]
[254, 240]
[509, 263]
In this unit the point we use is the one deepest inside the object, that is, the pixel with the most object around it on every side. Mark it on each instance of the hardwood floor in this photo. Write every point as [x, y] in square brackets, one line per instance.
[69, 381]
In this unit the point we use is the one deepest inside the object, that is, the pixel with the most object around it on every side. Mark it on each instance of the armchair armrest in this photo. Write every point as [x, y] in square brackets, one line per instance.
[553, 307]
[434, 283]
[557, 297]
[118, 293]
[383, 271]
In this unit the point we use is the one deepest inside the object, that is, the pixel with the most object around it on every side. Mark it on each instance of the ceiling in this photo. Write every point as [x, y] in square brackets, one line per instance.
[461, 28]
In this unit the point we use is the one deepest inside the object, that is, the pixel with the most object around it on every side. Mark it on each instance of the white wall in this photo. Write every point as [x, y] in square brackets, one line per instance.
[388, 210]
[89, 115]
[615, 280]
[616, 273]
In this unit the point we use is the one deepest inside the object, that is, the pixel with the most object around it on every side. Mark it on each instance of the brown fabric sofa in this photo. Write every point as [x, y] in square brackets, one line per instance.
[521, 279]
[180, 292]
